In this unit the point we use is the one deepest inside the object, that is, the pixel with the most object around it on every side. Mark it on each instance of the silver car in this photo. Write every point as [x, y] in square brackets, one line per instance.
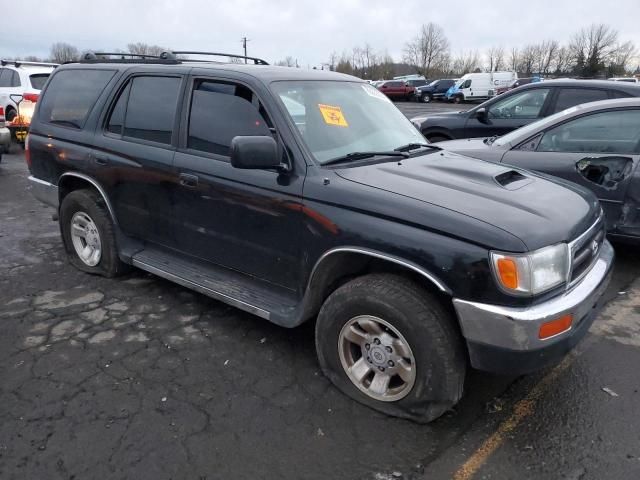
[596, 145]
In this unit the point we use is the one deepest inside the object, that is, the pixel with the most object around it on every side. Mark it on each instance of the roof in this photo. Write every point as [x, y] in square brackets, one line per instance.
[266, 73]
[606, 84]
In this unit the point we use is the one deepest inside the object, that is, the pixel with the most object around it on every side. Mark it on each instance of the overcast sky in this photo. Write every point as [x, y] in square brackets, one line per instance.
[306, 30]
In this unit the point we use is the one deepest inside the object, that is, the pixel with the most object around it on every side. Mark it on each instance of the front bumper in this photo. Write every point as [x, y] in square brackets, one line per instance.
[505, 339]
[5, 137]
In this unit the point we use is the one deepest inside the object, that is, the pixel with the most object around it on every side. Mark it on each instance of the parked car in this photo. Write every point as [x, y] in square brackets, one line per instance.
[413, 260]
[17, 80]
[5, 135]
[397, 89]
[516, 83]
[415, 83]
[478, 86]
[519, 107]
[434, 90]
[596, 145]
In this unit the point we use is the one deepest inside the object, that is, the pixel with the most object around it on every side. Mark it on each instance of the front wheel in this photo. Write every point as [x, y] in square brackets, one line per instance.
[391, 345]
[426, 98]
[458, 99]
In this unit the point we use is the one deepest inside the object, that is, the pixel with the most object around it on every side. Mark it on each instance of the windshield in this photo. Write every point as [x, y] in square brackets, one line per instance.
[527, 130]
[338, 118]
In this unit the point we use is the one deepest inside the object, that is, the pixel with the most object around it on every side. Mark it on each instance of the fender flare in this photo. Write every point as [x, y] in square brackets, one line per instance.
[97, 186]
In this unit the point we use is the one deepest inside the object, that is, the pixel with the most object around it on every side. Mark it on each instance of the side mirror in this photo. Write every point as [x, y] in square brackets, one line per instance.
[255, 152]
[482, 114]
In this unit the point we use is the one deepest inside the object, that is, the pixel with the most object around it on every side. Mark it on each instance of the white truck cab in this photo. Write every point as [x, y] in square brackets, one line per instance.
[479, 86]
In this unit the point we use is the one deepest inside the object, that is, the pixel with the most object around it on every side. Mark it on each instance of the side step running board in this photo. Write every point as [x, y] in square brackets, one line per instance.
[230, 287]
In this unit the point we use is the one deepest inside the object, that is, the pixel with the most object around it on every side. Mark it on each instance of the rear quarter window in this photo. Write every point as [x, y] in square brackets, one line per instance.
[71, 95]
[38, 80]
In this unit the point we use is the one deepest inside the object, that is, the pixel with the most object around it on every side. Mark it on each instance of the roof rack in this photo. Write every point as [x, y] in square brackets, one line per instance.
[173, 55]
[17, 63]
[101, 57]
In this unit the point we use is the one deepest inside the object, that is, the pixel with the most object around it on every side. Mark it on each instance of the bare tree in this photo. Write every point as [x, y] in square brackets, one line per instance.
[288, 61]
[466, 62]
[593, 47]
[333, 60]
[495, 57]
[63, 52]
[514, 59]
[428, 50]
[145, 49]
[621, 58]
[563, 61]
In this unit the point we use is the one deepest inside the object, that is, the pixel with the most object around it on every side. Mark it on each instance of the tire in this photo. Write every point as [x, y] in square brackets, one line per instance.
[426, 98]
[10, 114]
[411, 315]
[437, 138]
[78, 206]
[458, 99]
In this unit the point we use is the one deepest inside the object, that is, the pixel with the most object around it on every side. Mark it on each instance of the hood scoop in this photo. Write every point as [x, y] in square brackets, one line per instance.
[512, 180]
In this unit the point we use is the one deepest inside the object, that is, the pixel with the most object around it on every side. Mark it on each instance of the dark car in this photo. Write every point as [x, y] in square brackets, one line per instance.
[516, 83]
[434, 90]
[519, 107]
[417, 82]
[301, 194]
[397, 89]
[596, 145]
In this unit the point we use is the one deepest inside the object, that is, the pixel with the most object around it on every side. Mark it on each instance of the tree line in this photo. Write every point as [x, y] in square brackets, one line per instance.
[595, 51]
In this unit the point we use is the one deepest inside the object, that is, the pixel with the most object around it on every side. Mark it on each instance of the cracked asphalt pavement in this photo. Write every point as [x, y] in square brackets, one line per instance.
[138, 378]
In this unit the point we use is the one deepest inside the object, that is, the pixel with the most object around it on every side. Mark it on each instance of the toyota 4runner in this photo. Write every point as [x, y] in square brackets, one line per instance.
[298, 194]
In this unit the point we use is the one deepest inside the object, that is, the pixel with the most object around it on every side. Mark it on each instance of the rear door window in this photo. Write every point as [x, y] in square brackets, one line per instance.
[221, 111]
[71, 95]
[151, 108]
[568, 97]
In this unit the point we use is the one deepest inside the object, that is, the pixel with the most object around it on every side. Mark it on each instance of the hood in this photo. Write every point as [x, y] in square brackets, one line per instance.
[520, 203]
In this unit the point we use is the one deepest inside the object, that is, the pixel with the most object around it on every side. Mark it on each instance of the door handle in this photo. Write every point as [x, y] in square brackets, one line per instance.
[101, 160]
[189, 181]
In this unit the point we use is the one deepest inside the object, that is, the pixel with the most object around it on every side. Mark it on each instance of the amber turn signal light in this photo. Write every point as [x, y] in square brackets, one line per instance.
[554, 327]
[508, 272]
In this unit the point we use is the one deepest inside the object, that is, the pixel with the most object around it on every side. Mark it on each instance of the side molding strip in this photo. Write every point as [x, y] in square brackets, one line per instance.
[98, 187]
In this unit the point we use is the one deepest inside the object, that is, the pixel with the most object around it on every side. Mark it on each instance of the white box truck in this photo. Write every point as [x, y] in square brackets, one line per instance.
[479, 86]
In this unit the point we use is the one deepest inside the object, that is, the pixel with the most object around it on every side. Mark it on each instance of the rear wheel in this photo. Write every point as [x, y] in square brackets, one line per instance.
[389, 344]
[88, 234]
[10, 115]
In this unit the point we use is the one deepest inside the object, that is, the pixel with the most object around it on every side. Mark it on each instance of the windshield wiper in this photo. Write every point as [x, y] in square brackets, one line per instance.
[413, 146]
[361, 155]
[490, 140]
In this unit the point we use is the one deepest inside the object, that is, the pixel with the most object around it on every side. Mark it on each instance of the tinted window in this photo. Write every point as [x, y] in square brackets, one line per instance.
[116, 121]
[568, 97]
[15, 79]
[527, 104]
[5, 77]
[221, 111]
[38, 80]
[71, 95]
[151, 108]
[605, 132]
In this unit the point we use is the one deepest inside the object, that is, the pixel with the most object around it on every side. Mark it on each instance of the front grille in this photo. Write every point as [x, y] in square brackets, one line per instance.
[585, 250]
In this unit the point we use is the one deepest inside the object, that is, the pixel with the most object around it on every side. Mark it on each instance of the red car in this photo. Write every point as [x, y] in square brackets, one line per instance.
[396, 89]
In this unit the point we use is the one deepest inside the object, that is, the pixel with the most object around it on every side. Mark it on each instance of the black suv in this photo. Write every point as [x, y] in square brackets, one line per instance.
[519, 107]
[434, 90]
[298, 194]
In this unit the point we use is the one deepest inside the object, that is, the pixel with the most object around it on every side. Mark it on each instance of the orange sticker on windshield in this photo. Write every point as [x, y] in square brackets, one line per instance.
[332, 115]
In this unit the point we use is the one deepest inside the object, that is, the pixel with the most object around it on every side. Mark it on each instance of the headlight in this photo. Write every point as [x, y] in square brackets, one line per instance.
[532, 273]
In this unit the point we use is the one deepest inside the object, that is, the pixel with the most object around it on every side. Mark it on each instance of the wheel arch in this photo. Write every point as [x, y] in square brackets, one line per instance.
[341, 264]
[70, 181]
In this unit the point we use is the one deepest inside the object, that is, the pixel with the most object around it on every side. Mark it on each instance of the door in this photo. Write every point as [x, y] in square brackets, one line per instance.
[245, 220]
[134, 154]
[508, 113]
[599, 151]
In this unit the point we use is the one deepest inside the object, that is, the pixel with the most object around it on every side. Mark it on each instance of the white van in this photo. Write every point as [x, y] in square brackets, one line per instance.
[479, 86]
